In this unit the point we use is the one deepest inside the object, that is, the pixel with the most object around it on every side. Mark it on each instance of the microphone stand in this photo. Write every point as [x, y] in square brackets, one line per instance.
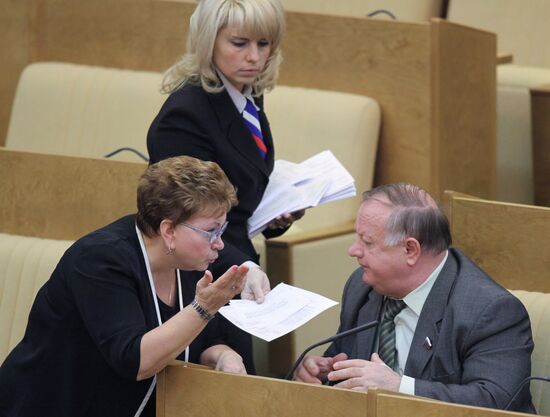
[349, 332]
[525, 381]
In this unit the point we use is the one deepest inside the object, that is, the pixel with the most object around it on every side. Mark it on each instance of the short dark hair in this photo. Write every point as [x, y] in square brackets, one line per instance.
[179, 188]
[414, 214]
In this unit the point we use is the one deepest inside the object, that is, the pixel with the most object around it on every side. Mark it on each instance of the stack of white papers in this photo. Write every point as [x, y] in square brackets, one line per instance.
[317, 180]
[284, 309]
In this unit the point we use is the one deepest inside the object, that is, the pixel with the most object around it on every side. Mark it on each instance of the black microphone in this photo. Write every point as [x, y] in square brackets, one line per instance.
[337, 336]
[522, 384]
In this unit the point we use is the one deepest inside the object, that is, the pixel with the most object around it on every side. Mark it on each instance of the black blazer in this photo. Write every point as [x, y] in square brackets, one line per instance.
[480, 333]
[81, 350]
[209, 127]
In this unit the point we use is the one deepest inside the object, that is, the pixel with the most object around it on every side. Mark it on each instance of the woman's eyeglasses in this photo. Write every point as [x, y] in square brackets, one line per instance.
[211, 235]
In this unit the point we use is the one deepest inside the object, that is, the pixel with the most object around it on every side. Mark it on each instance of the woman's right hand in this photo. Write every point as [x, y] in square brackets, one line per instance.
[213, 295]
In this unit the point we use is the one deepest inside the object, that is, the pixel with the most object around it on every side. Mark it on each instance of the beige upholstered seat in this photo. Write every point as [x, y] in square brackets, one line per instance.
[538, 307]
[25, 264]
[71, 109]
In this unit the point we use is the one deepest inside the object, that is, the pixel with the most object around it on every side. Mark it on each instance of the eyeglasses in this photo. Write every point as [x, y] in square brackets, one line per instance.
[212, 235]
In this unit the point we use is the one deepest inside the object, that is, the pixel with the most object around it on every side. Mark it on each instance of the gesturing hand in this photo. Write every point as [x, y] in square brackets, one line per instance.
[213, 295]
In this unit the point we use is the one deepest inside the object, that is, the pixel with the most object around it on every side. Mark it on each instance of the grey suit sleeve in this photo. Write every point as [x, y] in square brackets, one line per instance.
[493, 356]
[345, 322]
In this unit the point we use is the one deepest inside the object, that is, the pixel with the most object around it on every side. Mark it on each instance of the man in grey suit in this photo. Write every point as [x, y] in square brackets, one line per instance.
[455, 335]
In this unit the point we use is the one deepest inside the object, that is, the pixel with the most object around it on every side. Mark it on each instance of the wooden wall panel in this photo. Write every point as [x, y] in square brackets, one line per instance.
[464, 110]
[437, 117]
[63, 197]
[14, 46]
[509, 241]
[389, 63]
[540, 113]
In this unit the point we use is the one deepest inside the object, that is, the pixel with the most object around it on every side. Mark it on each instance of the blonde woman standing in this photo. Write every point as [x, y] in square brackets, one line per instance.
[215, 113]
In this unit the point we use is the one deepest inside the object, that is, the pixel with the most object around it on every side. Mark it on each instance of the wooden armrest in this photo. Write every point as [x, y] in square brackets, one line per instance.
[542, 90]
[504, 58]
[311, 235]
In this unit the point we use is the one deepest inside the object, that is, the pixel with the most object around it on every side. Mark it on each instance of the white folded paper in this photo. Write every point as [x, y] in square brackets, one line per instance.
[284, 309]
[317, 180]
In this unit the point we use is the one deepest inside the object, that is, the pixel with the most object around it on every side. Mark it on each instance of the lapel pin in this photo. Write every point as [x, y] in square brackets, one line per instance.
[428, 343]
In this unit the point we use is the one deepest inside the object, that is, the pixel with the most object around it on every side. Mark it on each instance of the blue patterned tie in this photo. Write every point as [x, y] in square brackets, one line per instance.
[386, 345]
[250, 116]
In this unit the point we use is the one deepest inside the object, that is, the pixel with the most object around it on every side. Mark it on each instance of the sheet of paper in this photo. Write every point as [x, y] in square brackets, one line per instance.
[285, 309]
[317, 180]
[325, 164]
[286, 201]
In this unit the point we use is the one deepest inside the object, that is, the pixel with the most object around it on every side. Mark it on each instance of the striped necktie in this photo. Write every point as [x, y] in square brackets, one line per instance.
[250, 116]
[386, 346]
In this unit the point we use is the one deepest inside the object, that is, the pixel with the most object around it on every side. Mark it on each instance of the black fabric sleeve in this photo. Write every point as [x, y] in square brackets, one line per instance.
[177, 132]
[106, 295]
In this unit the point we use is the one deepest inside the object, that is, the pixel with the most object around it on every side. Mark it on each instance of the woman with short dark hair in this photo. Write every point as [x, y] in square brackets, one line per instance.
[115, 311]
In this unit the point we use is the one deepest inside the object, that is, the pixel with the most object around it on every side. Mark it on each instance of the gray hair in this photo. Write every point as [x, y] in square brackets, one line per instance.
[414, 214]
[263, 18]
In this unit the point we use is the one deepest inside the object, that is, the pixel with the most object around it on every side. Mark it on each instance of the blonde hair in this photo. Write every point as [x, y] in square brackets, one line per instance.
[263, 18]
[180, 187]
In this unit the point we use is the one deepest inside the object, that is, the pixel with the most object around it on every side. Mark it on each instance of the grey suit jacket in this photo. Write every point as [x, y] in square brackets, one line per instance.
[480, 333]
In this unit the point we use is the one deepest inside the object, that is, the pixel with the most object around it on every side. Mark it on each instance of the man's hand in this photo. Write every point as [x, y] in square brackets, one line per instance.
[359, 374]
[314, 369]
[256, 286]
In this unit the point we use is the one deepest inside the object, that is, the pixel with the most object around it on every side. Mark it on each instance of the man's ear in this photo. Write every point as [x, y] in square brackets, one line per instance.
[412, 250]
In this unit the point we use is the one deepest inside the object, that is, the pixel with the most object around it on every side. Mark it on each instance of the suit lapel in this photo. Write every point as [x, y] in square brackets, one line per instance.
[368, 311]
[430, 320]
[236, 131]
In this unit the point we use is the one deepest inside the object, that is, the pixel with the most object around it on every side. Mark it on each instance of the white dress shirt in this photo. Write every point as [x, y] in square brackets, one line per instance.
[238, 98]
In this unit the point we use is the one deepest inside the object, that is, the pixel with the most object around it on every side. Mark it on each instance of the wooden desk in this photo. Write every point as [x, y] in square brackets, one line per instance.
[188, 391]
[540, 114]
